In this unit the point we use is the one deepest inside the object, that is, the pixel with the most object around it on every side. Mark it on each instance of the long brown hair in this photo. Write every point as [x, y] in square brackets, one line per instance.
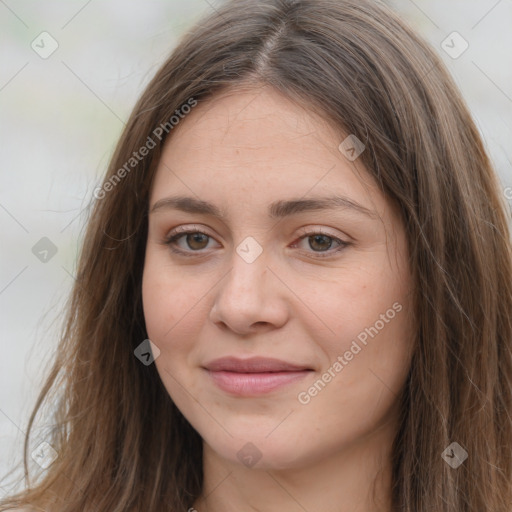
[122, 444]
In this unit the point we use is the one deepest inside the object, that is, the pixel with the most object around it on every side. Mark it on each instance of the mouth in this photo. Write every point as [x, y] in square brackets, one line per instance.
[254, 376]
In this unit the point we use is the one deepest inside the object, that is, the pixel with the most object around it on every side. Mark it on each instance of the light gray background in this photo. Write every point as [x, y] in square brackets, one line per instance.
[60, 118]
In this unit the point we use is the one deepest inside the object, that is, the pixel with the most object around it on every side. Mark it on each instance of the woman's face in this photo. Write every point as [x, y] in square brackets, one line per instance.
[278, 269]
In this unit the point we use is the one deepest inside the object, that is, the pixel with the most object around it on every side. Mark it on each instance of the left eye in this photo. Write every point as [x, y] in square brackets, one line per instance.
[320, 242]
[196, 241]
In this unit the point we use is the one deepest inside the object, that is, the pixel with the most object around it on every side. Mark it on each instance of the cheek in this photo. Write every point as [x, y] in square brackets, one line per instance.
[367, 317]
[169, 301]
[354, 300]
[171, 307]
[366, 367]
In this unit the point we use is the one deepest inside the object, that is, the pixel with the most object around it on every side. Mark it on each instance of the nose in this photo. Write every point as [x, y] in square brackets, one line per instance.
[250, 298]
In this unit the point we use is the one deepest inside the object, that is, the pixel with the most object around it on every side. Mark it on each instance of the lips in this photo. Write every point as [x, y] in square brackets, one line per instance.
[253, 365]
[254, 376]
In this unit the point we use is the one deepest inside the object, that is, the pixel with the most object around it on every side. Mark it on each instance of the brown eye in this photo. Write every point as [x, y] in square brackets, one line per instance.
[193, 243]
[188, 242]
[320, 242]
[196, 241]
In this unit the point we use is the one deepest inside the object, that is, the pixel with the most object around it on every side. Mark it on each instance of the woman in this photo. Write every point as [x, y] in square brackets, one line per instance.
[301, 217]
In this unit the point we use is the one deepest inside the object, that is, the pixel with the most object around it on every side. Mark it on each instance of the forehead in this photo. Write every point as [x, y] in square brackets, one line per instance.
[257, 146]
[252, 120]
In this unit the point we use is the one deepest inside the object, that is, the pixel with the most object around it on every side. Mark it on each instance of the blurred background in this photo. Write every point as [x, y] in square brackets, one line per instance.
[70, 72]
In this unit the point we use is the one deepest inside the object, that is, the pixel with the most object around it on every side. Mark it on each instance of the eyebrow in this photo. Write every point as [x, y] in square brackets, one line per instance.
[276, 210]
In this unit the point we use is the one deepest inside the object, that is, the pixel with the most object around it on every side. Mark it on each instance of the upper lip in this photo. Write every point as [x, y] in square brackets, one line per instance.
[253, 365]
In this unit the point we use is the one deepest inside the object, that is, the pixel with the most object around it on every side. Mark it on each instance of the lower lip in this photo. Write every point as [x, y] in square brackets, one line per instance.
[246, 384]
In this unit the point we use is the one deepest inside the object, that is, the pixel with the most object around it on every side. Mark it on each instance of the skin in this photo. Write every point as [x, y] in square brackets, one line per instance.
[241, 151]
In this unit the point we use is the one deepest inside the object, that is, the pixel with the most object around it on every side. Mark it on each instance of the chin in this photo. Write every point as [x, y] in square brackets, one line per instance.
[260, 452]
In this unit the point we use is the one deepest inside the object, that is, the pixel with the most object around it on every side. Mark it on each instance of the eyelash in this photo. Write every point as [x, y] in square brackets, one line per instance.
[180, 232]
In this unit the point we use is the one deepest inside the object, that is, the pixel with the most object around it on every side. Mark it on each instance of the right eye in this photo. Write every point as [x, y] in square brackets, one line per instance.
[195, 241]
